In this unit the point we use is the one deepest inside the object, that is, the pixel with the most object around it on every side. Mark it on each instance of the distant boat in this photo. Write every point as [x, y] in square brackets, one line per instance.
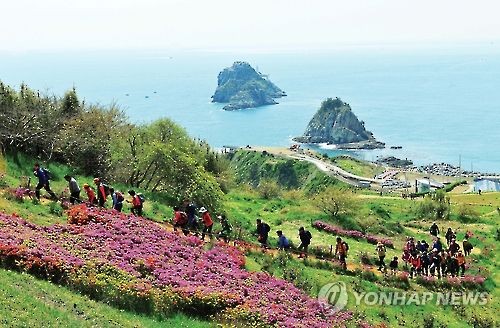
[396, 147]
[146, 96]
[127, 94]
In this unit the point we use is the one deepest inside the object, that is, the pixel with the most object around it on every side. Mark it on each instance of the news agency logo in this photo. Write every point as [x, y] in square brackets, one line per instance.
[333, 297]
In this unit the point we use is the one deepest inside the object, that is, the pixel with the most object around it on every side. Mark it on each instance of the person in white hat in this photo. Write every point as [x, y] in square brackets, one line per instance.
[207, 223]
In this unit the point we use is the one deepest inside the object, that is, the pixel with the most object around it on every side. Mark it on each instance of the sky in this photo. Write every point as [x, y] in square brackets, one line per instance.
[257, 25]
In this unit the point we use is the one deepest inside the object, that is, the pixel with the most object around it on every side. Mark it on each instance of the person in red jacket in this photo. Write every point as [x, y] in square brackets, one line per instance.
[90, 194]
[136, 203]
[415, 264]
[180, 220]
[207, 223]
[101, 192]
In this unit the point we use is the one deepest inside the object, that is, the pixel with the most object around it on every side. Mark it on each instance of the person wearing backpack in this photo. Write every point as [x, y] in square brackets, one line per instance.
[43, 176]
[226, 228]
[180, 220]
[381, 256]
[74, 190]
[102, 192]
[207, 222]
[434, 229]
[136, 203]
[190, 209]
[263, 230]
[283, 243]
[341, 253]
[90, 194]
[305, 239]
[117, 198]
[467, 246]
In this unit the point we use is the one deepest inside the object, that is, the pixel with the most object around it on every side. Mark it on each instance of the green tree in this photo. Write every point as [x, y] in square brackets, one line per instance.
[336, 202]
[161, 157]
[86, 139]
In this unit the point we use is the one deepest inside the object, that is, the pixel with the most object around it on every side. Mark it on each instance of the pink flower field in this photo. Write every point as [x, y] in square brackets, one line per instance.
[155, 259]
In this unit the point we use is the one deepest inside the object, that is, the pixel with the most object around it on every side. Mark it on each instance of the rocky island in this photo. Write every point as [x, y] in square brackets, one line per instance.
[335, 123]
[241, 86]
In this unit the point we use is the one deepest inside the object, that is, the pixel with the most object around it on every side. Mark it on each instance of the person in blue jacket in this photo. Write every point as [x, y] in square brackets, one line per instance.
[43, 181]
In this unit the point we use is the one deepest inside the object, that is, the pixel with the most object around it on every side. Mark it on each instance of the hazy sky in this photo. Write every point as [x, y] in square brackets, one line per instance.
[258, 25]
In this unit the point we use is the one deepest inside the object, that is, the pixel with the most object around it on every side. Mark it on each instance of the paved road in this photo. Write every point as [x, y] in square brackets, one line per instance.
[336, 171]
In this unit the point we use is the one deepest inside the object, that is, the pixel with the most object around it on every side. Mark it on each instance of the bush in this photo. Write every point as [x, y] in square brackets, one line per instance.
[268, 189]
[56, 209]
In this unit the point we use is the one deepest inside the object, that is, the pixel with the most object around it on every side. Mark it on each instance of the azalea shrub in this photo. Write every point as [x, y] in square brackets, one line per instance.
[352, 234]
[136, 264]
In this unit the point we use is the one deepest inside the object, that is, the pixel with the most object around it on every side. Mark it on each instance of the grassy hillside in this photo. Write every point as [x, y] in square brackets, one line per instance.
[28, 302]
[294, 206]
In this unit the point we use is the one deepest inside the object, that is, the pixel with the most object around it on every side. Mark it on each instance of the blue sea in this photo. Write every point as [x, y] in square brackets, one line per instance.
[440, 105]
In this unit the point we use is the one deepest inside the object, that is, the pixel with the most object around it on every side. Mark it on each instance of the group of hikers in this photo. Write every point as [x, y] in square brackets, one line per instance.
[263, 230]
[97, 196]
[188, 221]
[424, 260]
[419, 256]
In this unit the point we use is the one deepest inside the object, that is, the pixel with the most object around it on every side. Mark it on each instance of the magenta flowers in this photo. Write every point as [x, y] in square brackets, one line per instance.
[157, 259]
[352, 234]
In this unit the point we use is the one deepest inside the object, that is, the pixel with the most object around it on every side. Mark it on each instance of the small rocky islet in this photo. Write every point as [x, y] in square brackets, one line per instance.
[241, 86]
[335, 124]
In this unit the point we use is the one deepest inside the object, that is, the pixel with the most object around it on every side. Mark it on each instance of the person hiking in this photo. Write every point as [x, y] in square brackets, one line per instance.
[415, 265]
[437, 245]
[263, 230]
[424, 247]
[117, 199]
[283, 243]
[90, 194]
[226, 228]
[190, 209]
[453, 265]
[454, 247]
[467, 246]
[341, 252]
[136, 203]
[449, 236]
[461, 262]
[101, 192]
[435, 260]
[425, 263]
[305, 240]
[74, 189]
[394, 265]
[444, 263]
[381, 256]
[434, 229]
[43, 176]
[207, 223]
[180, 220]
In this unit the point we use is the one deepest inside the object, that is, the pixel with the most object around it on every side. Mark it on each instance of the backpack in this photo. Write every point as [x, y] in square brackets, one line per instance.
[106, 190]
[346, 246]
[119, 197]
[308, 235]
[267, 228]
[184, 218]
[141, 197]
[48, 174]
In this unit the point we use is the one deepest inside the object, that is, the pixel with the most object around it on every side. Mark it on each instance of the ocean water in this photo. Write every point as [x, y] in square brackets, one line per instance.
[439, 105]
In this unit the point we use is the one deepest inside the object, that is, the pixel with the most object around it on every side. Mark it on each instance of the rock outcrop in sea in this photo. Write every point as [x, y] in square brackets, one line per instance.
[335, 123]
[241, 86]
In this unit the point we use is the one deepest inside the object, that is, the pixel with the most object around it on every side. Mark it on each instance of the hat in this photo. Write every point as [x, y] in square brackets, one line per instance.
[96, 180]
[86, 185]
[203, 210]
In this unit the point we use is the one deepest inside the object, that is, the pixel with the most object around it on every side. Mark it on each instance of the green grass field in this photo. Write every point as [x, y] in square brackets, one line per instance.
[26, 301]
